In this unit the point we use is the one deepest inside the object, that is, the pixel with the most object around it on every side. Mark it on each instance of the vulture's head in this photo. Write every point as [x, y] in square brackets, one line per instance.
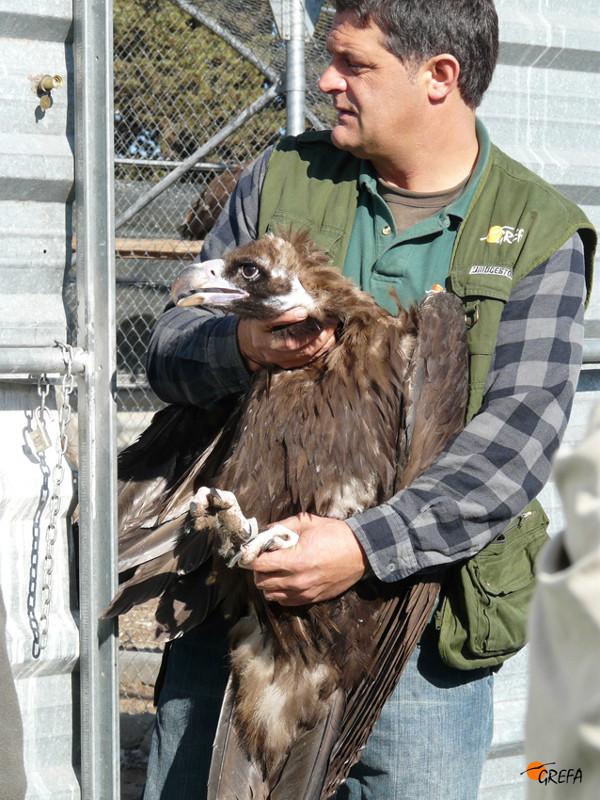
[262, 279]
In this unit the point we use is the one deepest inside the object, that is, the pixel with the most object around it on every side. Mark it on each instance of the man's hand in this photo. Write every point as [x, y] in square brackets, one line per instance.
[327, 560]
[259, 347]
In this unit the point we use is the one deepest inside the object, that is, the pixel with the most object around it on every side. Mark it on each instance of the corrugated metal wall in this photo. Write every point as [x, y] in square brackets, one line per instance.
[543, 110]
[40, 733]
[58, 678]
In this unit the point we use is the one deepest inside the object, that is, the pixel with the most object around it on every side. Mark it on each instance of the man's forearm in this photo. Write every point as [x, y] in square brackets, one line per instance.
[194, 359]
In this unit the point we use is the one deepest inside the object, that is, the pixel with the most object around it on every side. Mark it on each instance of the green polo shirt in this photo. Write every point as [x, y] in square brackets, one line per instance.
[413, 261]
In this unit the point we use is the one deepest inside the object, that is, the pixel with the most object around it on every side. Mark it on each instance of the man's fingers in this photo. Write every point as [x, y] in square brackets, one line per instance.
[259, 346]
[289, 317]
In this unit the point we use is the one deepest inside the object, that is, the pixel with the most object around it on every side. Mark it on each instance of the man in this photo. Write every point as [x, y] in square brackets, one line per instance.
[406, 191]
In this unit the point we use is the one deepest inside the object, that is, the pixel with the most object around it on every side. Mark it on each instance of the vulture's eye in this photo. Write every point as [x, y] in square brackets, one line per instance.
[249, 271]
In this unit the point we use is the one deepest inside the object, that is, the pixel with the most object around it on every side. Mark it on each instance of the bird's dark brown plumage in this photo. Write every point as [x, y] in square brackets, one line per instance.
[331, 438]
[206, 209]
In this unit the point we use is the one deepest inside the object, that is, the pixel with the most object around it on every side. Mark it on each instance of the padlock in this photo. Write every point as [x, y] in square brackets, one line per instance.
[39, 436]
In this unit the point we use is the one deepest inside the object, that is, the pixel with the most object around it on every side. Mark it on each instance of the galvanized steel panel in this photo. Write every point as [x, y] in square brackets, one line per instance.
[542, 106]
[36, 186]
[36, 170]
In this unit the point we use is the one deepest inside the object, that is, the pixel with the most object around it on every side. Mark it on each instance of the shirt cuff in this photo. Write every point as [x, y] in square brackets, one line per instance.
[223, 354]
[385, 540]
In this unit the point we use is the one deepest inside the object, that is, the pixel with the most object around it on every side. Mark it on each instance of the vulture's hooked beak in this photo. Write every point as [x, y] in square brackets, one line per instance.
[202, 284]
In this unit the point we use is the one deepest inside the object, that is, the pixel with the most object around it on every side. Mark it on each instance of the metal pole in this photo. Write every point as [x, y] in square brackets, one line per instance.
[97, 397]
[295, 73]
[38, 361]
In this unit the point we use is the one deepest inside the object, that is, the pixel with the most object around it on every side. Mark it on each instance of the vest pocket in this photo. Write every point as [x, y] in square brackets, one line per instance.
[482, 619]
[503, 582]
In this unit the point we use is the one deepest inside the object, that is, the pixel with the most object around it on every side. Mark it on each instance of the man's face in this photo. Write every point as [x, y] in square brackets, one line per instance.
[376, 99]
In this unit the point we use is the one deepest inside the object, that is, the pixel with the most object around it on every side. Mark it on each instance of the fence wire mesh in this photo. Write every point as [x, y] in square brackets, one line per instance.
[183, 72]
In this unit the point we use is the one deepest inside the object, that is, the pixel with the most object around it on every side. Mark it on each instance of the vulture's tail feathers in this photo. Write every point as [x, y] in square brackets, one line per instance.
[305, 769]
[235, 774]
[402, 622]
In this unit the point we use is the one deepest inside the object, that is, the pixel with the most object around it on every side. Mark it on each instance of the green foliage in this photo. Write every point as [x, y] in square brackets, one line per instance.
[177, 84]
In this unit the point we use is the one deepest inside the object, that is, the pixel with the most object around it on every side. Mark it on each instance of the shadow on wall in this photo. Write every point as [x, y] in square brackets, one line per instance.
[13, 782]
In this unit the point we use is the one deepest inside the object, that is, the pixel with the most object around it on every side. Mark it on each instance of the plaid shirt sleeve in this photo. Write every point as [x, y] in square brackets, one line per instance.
[193, 356]
[501, 459]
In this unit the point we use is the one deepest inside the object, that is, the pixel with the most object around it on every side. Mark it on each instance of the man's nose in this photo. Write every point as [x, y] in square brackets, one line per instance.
[332, 81]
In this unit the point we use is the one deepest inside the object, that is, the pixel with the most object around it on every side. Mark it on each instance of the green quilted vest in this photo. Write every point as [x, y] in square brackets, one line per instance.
[514, 223]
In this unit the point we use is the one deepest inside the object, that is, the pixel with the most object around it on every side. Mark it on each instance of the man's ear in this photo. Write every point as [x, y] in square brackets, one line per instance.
[442, 76]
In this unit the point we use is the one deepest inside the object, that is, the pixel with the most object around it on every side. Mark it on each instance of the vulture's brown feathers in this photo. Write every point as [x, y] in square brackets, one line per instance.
[206, 209]
[335, 437]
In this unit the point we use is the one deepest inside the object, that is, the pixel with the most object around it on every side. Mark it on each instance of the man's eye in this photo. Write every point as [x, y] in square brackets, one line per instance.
[249, 271]
[354, 66]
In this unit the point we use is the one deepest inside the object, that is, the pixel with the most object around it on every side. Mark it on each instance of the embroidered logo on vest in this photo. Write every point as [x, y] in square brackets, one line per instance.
[479, 269]
[501, 234]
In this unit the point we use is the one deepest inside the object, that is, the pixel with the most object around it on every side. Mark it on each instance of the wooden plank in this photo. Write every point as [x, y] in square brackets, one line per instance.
[155, 248]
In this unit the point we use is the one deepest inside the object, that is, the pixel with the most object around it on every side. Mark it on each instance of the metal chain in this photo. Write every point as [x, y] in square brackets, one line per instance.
[57, 477]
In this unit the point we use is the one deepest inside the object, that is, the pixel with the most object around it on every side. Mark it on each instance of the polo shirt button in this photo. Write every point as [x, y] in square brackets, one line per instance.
[386, 229]
[391, 567]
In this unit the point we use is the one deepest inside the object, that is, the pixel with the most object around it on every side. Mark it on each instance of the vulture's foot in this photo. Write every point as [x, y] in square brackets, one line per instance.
[221, 510]
[276, 538]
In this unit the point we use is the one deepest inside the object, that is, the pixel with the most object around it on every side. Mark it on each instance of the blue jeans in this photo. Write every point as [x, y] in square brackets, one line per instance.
[430, 742]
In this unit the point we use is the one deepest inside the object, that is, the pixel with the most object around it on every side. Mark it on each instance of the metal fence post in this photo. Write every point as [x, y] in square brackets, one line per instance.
[97, 396]
[295, 81]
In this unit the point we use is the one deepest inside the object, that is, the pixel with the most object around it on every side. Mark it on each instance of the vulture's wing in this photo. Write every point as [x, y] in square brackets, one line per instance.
[179, 550]
[150, 468]
[438, 384]
[436, 407]
[159, 545]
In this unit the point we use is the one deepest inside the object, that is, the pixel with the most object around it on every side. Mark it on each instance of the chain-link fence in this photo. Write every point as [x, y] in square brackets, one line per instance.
[185, 75]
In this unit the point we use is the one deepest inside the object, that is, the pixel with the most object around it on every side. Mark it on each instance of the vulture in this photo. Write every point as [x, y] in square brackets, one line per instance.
[205, 210]
[341, 434]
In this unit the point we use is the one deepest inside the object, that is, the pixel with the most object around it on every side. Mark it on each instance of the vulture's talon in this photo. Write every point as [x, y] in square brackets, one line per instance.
[210, 500]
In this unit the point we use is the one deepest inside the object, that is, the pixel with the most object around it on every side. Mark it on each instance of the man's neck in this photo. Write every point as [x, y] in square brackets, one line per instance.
[441, 160]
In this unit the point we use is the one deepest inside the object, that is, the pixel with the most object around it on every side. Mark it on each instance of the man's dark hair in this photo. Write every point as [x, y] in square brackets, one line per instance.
[417, 30]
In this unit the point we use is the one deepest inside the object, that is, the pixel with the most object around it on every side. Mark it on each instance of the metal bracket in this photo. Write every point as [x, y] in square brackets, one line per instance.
[282, 13]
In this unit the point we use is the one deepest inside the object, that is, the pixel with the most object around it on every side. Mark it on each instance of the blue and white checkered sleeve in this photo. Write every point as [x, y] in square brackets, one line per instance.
[193, 356]
[501, 460]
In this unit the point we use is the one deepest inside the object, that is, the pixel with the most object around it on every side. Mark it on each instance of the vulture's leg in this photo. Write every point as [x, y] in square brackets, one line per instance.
[231, 526]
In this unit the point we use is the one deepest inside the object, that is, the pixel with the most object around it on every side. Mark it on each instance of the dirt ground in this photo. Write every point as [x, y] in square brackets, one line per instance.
[139, 662]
